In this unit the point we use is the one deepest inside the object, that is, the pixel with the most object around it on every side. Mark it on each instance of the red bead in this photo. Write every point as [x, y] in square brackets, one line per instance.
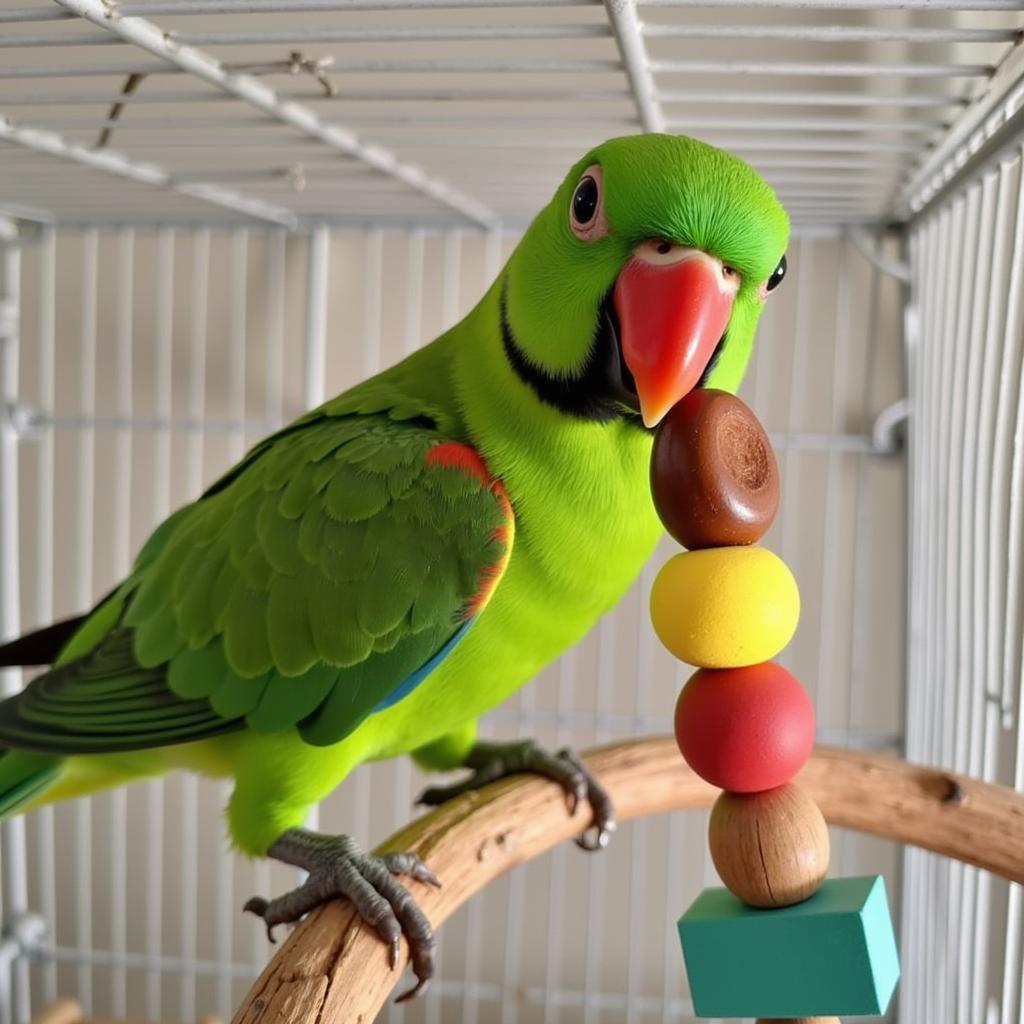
[745, 729]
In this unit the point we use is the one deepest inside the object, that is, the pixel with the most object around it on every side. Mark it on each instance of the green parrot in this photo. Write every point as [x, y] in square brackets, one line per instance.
[373, 578]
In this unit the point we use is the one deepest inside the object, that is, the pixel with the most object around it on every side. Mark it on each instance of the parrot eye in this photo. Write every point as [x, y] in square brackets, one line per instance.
[776, 277]
[586, 212]
[584, 201]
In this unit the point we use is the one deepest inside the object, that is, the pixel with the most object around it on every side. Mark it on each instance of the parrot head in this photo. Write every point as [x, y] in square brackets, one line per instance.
[643, 278]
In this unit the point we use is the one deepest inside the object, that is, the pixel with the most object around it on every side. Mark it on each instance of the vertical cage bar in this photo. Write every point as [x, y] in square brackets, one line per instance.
[194, 461]
[315, 355]
[274, 410]
[671, 960]
[606, 641]
[831, 534]
[910, 993]
[276, 273]
[922, 351]
[315, 350]
[450, 289]
[237, 342]
[122, 486]
[639, 852]
[224, 930]
[915, 363]
[199, 299]
[973, 549]
[1012, 657]
[947, 730]
[919, 263]
[13, 836]
[161, 490]
[791, 460]
[861, 529]
[932, 338]
[932, 347]
[45, 843]
[557, 861]
[372, 297]
[84, 541]
[452, 261]
[943, 294]
[414, 246]
[985, 713]
[948, 567]
[492, 259]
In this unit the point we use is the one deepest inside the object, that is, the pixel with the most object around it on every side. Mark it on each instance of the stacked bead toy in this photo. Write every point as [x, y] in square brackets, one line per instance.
[779, 942]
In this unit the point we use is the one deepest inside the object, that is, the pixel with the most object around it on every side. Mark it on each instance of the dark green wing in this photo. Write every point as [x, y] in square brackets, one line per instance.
[105, 702]
[307, 589]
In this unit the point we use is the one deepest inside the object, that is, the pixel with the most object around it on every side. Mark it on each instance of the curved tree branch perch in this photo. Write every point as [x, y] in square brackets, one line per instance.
[334, 969]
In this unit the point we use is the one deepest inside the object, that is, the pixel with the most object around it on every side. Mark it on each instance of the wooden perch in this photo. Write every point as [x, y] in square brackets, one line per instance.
[333, 969]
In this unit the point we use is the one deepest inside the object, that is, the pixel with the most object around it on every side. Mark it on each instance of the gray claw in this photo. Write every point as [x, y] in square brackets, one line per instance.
[338, 868]
[492, 761]
[421, 986]
[411, 865]
[602, 835]
[258, 905]
[601, 806]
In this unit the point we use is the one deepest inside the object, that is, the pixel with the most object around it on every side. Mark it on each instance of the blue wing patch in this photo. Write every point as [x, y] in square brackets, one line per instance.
[407, 685]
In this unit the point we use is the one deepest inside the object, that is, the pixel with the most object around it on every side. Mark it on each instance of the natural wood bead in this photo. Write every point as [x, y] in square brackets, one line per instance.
[771, 849]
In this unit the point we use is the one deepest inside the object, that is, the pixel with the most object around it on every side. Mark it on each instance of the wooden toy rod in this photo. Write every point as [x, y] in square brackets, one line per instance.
[334, 968]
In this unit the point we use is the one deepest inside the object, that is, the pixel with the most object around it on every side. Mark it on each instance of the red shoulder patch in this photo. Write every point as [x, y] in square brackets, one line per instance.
[454, 455]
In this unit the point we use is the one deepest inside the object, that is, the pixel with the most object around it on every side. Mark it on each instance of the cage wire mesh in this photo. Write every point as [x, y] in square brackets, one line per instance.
[220, 212]
[965, 346]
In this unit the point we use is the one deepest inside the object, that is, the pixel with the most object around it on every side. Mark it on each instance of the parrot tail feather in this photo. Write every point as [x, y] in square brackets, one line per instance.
[40, 647]
[23, 777]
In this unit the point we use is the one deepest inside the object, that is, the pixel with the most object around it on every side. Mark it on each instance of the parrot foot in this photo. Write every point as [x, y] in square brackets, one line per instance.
[338, 868]
[493, 761]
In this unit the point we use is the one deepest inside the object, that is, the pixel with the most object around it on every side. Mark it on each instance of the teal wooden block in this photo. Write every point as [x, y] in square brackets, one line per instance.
[834, 954]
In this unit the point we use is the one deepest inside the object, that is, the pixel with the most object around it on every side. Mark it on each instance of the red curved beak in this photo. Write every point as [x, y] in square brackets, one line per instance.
[673, 309]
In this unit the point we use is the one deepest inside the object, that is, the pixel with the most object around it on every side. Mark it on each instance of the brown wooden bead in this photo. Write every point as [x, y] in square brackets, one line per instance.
[771, 849]
[714, 477]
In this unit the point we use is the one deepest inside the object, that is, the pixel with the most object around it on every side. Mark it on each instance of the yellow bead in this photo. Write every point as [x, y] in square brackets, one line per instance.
[725, 607]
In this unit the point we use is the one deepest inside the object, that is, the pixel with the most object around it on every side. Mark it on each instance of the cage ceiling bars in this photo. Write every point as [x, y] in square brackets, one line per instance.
[978, 130]
[805, 33]
[152, 39]
[629, 36]
[147, 174]
[480, 115]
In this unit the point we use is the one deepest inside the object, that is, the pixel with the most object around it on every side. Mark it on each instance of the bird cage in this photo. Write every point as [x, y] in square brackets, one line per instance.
[216, 213]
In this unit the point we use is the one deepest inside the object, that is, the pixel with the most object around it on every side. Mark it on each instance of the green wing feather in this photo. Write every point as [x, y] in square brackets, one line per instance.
[302, 590]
